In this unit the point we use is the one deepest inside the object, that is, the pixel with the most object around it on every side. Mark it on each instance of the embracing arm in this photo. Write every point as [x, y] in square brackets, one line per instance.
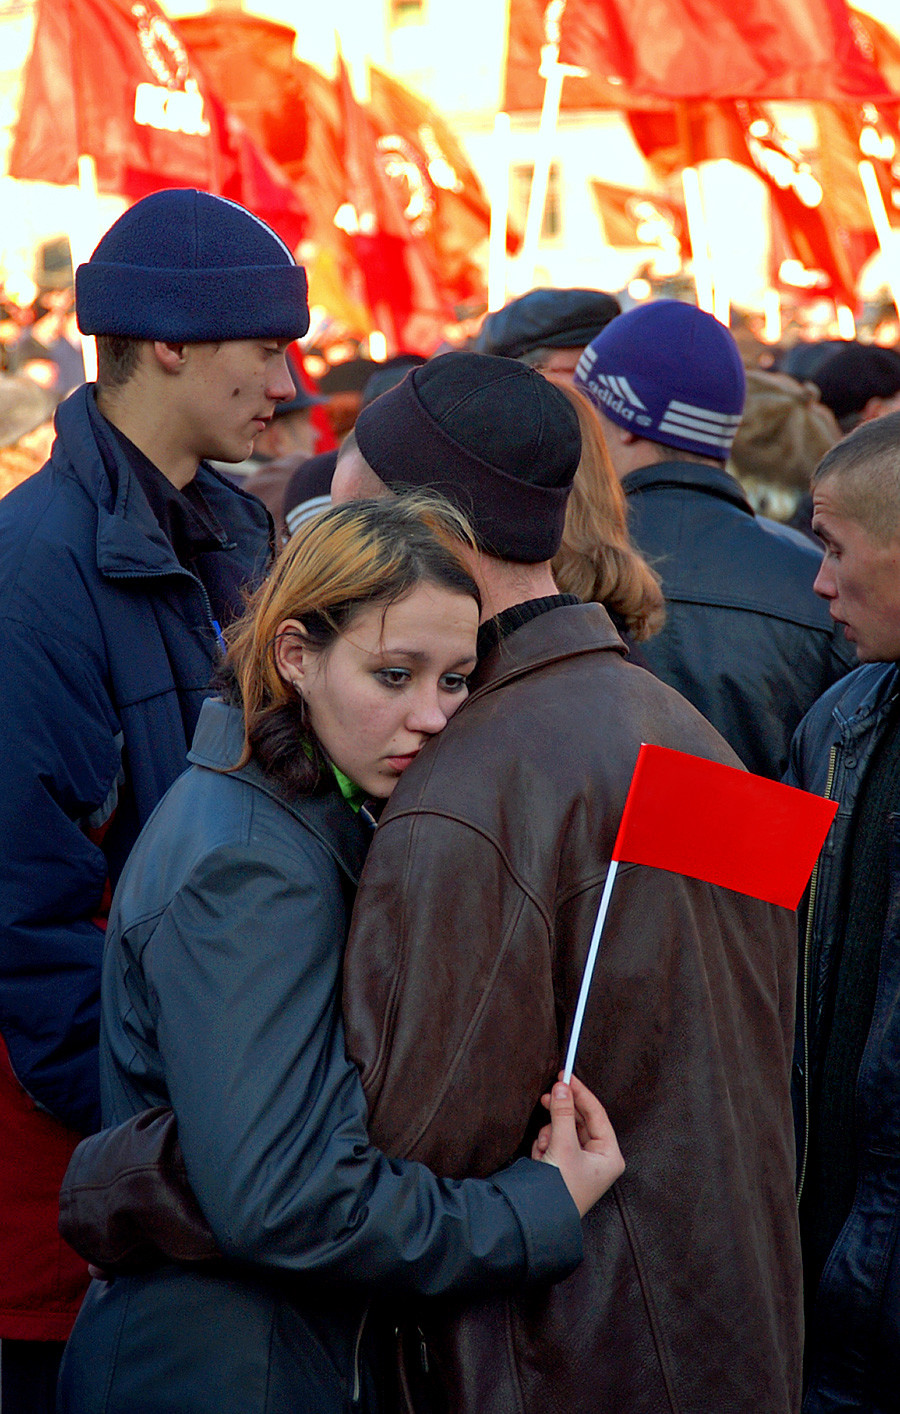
[243, 973]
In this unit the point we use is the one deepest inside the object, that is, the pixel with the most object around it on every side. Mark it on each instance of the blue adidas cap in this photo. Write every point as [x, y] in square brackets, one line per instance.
[668, 372]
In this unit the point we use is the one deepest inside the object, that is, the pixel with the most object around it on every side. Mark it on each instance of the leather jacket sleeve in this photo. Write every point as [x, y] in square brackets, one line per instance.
[445, 946]
[242, 974]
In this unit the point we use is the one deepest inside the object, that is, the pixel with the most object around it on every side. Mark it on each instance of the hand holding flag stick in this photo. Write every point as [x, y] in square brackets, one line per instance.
[716, 823]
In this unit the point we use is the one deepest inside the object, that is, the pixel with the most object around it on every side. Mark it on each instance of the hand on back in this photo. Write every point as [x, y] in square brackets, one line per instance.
[581, 1142]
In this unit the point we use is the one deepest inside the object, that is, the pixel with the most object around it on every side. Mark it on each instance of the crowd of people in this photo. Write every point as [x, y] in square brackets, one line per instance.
[314, 762]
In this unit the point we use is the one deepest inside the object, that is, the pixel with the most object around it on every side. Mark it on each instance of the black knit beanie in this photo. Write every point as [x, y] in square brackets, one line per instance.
[184, 266]
[854, 373]
[494, 437]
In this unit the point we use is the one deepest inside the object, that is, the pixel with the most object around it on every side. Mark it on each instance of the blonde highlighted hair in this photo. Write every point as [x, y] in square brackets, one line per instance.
[597, 560]
[343, 561]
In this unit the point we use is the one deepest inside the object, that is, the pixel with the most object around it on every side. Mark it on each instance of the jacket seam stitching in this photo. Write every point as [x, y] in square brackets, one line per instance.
[463, 1048]
[585, 885]
[526, 889]
[649, 1304]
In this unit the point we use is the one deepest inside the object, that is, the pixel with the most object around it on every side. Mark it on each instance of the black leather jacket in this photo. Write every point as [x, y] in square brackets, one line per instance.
[853, 1340]
[745, 640]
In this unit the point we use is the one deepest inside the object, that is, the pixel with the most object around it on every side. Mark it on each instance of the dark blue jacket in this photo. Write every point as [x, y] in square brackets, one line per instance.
[222, 998]
[106, 651]
[853, 1340]
[745, 639]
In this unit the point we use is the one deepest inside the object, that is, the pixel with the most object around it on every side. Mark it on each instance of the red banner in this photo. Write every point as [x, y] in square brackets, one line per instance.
[402, 289]
[641, 218]
[114, 81]
[696, 49]
[383, 228]
[807, 221]
[442, 196]
[523, 87]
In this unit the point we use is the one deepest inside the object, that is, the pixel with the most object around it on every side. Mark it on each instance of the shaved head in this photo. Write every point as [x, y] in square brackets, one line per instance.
[863, 473]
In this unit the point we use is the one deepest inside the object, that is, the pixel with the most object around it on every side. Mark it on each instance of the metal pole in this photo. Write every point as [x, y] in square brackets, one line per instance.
[553, 74]
[887, 240]
[499, 214]
[696, 219]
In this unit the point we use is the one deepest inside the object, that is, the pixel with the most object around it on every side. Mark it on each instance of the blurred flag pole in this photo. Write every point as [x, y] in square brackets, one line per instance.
[553, 73]
[499, 214]
[696, 214]
[83, 237]
[887, 240]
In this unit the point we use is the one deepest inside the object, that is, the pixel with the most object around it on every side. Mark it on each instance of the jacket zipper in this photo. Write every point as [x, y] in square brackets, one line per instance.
[207, 604]
[216, 627]
[357, 1344]
[807, 958]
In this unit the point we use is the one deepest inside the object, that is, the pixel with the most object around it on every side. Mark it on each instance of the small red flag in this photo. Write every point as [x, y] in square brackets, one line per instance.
[721, 824]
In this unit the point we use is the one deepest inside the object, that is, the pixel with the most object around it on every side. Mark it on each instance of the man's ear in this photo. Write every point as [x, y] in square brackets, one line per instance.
[293, 654]
[171, 357]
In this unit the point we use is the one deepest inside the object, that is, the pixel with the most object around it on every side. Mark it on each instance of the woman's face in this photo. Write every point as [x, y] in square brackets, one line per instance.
[391, 680]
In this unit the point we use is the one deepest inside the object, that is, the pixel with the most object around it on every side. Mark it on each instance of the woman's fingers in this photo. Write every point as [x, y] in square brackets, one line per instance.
[542, 1142]
[588, 1168]
[593, 1121]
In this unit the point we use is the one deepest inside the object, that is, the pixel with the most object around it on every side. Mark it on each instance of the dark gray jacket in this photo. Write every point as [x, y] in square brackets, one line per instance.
[221, 998]
[745, 639]
[853, 1341]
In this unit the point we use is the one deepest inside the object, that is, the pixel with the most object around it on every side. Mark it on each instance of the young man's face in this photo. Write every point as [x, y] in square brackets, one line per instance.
[859, 576]
[228, 394]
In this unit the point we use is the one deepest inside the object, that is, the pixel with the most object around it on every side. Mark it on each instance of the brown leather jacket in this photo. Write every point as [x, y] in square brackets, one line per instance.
[468, 942]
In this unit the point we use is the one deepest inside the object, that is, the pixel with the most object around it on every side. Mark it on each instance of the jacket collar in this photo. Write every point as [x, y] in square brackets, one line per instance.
[130, 543]
[878, 684]
[557, 634]
[693, 476]
[218, 742]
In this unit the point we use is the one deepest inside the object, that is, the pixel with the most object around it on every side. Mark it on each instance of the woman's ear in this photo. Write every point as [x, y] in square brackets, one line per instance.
[293, 654]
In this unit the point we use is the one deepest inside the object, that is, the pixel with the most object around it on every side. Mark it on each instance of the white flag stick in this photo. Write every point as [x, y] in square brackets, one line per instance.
[589, 969]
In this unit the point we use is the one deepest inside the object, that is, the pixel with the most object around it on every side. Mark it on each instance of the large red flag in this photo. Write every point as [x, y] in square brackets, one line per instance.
[443, 198]
[251, 61]
[294, 111]
[693, 49]
[807, 222]
[114, 80]
[722, 824]
[400, 280]
[523, 87]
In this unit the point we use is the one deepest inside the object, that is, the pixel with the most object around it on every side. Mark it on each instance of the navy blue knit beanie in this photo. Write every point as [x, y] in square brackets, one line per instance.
[668, 372]
[497, 439]
[184, 266]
